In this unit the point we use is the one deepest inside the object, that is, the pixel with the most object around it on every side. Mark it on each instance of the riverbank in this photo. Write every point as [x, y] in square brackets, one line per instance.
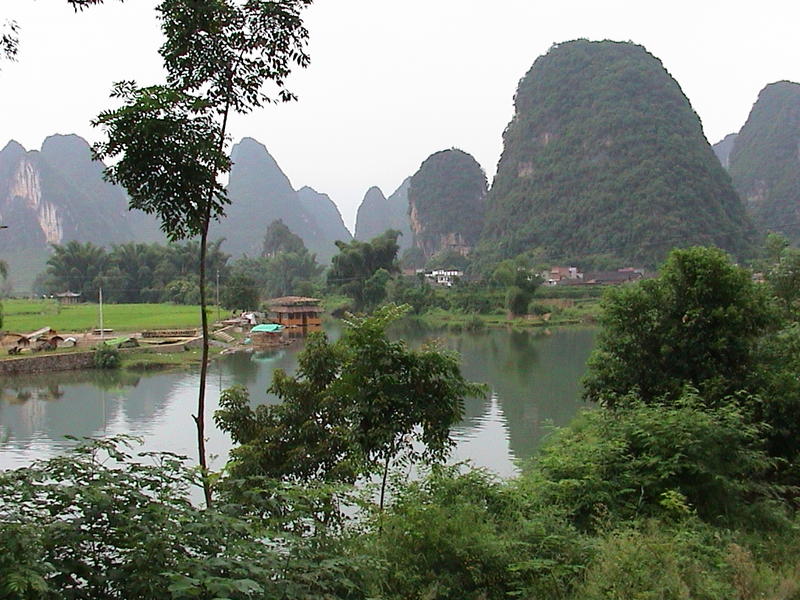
[584, 313]
[551, 309]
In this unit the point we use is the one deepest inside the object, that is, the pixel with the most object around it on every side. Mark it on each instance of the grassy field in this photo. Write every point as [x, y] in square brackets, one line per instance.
[23, 316]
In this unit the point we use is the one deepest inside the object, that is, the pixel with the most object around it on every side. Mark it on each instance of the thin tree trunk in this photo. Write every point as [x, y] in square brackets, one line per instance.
[383, 489]
[200, 417]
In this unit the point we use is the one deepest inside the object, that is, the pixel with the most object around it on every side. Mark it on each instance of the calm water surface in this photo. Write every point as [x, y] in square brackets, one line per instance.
[533, 377]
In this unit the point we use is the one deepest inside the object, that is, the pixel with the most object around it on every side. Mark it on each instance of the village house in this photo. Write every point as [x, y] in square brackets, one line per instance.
[613, 277]
[296, 311]
[558, 275]
[444, 277]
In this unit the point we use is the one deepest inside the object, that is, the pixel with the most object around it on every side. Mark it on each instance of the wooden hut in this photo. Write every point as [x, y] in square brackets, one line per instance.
[296, 311]
[267, 335]
[68, 297]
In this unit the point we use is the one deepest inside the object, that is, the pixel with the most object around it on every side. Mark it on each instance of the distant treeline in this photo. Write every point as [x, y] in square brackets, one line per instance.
[135, 272]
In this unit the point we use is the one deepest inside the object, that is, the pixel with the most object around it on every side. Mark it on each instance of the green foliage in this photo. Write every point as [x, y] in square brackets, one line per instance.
[280, 239]
[182, 291]
[620, 464]
[170, 139]
[778, 368]
[413, 291]
[655, 561]
[374, 291]
[763, 162]
[466, 535]
[353, 270]
[352, 407]
[698, 323]
[605, 156]
[447, 195]
[76, 267]
[784, 279]
[286, 273]
[306, 436]
[240, 292]
[106, 357]
[475, 298]
[3, 275]
[448, 259]
[413, 258]
[516, 275]
[97, 524]
[774, 245]
[133, 272]
[517, 301]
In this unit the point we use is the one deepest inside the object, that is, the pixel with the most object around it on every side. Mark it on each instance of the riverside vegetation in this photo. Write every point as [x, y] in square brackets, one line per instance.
[683, 482]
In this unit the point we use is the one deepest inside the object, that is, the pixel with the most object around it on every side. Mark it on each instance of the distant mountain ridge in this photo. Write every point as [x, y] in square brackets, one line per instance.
[57, 194]
[377, 213]
[605, 157]
[764, 160]
[260, 193]
[326, 214]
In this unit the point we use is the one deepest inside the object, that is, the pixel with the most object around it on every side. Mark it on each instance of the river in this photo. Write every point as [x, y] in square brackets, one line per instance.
[534, 378]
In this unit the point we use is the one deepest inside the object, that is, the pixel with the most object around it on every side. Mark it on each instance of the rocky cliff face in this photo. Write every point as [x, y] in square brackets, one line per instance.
[446, 198]
[57, 195]
[765, 160]
[260, 192]
[723, 149]
[605, 158]
[377, 213]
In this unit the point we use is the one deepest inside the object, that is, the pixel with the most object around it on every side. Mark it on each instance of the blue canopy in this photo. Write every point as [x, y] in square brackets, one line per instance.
[267, 328]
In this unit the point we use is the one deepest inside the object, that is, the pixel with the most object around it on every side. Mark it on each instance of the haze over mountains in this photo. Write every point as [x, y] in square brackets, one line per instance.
[377, 213]
[261, 193]
[604, 159]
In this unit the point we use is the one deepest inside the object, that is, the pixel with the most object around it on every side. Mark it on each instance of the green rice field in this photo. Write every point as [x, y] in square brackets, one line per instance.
[24, 316]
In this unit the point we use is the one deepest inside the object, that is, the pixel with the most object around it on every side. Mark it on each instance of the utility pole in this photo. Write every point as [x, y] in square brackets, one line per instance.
[102, 331]
[217, 295]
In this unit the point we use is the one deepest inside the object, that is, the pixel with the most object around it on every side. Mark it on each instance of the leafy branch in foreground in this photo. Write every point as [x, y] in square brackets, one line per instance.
[98, 522]
[353, 407]
[171, 139]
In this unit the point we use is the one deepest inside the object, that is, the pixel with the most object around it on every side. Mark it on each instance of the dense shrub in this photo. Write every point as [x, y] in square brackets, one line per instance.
[648, 460]
[96, 523]
[106, 357]
[466, 535]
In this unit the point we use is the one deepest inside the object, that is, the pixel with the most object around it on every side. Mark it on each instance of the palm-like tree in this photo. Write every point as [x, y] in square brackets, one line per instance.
[77, 266]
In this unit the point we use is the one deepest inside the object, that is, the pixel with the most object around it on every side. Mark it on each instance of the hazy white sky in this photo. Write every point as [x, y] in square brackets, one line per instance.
[392, 81]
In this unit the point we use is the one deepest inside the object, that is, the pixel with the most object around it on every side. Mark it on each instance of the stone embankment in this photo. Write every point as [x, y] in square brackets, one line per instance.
[44, 363]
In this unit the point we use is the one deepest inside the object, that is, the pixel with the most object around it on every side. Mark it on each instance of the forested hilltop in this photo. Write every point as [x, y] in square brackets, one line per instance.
[765, 159]
[605, 156]
[446, 199]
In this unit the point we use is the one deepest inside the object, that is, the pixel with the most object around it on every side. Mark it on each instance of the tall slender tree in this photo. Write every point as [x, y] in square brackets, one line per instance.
[171, 139]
